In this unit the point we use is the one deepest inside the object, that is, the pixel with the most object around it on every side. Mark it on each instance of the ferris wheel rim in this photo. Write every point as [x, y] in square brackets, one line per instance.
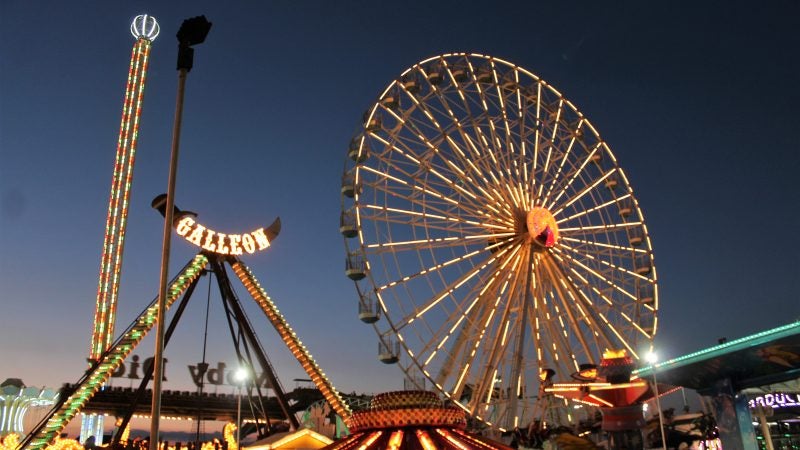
[564, 255]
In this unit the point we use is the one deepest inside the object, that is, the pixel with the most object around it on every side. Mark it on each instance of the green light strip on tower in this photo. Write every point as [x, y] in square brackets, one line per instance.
[116, 355]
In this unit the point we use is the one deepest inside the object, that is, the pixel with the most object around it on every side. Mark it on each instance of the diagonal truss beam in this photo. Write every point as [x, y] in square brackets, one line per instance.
[71, 403]
[290, 338]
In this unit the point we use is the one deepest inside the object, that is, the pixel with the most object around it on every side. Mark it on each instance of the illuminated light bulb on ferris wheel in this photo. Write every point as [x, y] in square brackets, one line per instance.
[145, 27]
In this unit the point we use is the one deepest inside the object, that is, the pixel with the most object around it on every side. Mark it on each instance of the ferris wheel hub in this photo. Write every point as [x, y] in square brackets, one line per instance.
[542, 227]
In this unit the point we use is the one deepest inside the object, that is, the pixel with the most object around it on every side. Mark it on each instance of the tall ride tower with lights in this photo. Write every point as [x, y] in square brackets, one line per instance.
[145, 29]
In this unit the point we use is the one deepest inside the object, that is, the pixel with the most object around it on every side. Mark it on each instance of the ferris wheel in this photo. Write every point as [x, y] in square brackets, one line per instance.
[492, 236]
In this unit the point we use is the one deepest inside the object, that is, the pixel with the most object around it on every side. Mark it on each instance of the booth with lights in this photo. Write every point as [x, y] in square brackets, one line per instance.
[751, 381]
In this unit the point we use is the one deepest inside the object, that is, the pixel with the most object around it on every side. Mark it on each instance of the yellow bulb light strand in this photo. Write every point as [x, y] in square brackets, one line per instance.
[116, 220]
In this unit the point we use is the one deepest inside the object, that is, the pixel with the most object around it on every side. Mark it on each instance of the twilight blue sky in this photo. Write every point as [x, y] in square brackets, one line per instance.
[698, 101]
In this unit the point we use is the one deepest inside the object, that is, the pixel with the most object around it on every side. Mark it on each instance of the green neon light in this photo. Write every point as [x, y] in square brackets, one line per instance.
[102, 372]
[747, 341]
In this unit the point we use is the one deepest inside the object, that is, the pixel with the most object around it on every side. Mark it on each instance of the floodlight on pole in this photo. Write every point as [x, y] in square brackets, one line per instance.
[652, 358]
[192, 32]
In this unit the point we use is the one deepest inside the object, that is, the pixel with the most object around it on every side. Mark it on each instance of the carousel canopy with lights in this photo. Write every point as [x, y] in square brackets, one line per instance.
[410, 420]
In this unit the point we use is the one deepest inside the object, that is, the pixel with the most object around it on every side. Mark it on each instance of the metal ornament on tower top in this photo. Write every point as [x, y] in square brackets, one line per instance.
[145, 27]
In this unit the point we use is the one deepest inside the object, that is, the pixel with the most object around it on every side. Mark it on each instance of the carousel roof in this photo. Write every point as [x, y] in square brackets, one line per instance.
[410, 420]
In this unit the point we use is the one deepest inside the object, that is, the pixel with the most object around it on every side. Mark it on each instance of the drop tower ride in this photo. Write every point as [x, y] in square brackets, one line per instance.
[145, 29]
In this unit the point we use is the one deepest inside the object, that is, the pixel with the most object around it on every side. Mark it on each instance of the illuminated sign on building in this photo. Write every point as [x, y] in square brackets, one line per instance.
[776, 400]
[225, 244]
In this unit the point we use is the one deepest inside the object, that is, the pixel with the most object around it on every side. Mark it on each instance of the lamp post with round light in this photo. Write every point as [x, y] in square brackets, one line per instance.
[240, 377]
[652, 358]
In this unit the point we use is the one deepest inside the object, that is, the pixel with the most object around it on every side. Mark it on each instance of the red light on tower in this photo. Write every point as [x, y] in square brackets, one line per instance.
[145, 29]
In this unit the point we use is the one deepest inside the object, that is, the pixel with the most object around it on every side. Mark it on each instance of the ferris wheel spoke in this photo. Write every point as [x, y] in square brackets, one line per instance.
[416, 188]
[551, 142]
[494, 343]
[494, 145]
[413, 210]
[477, 85]
[616, 307]
[469, 342]
[613, 286]
[480, 148]
[595, 271]
[442, 294]
[448, 229]
[618, 248]
[467, 163]
[482, 185]
[586, 160]
[449, 327]
[564, 159]
[433, 216]
[451, 68]
[609, 237]
[422, 107]
[428, 189]
[468, 331]
[555, 343]
[538, 123]
[584, 307]
[493, 297]
[500, 257]
[582, 192]
[557, 120]
[597, 319]
[599, 207]
[480, 215]
[606, 263]
[604, 323]
[595, 228]
[567, 300]
[488, 97]
[470, 197]
[536, 324]
[470, 143]
[504, 105]
[524, 138]
[433, 243]
[476, 143]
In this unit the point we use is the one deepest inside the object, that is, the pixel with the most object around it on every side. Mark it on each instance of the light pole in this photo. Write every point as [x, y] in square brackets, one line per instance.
[652, 358]
[192, 32]
[241, 377]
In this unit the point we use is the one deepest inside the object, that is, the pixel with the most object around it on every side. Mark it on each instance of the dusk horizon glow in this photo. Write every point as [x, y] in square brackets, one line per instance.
[698, 103]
